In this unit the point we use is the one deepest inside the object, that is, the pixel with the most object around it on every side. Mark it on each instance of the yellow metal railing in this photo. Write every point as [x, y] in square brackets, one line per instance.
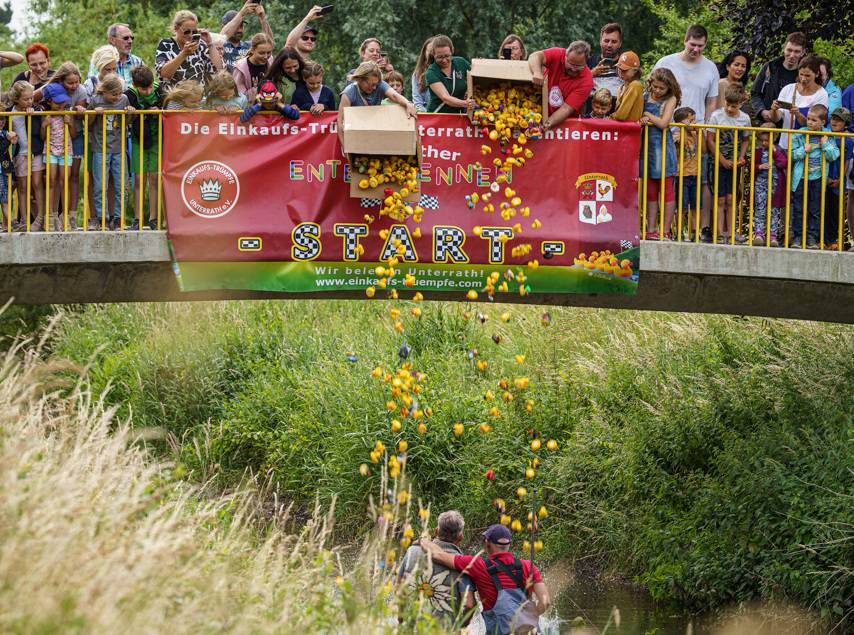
[60, 212]
[741, 216]
[679, 220]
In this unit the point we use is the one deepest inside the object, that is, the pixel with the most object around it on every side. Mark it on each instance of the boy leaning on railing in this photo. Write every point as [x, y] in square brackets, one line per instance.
[809, 148]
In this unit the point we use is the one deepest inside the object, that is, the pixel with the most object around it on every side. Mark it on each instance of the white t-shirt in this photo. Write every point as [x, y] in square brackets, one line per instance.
[698, 81]
[727, 140]
[803, 102]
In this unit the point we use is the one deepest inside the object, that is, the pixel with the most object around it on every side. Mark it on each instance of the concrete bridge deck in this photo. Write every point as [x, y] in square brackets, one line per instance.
[96, 267]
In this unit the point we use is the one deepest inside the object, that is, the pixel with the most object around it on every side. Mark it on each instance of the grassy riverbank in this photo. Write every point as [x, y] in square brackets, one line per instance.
[710, 457]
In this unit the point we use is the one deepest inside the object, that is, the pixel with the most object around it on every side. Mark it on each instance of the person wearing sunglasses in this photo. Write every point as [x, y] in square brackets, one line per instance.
[188, 55]
[121, 36]
[569, 80]
[233, 25]
[303, 37]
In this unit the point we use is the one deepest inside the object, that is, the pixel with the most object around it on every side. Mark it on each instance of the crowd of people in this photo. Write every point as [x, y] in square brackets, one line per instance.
[227, 71]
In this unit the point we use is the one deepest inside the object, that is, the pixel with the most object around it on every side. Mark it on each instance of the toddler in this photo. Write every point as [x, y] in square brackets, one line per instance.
[687, 138]
[600, 105]
[268, 98]
[729, 154]
[395, 80]
[313, 95]
[7, 139]
[809, 148]
[222, 94]
[185, 95]
[840, 118]
[105, 133]
[770, 162]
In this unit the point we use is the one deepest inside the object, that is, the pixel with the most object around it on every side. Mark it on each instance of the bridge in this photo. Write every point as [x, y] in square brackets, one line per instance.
[105, 267]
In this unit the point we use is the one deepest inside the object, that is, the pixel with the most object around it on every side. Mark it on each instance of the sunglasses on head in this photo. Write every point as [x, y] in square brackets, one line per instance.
[309, 38]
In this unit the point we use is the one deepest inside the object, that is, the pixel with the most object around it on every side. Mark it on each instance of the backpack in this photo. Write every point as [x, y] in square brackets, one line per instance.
[512, 607]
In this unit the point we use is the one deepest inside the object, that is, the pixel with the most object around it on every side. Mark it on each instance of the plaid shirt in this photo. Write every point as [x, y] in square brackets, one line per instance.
[123, 69]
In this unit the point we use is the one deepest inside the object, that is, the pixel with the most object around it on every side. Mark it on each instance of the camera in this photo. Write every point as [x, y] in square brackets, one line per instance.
[506, 53]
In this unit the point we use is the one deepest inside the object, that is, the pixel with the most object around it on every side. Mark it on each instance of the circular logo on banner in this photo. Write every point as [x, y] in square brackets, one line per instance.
[210, 189]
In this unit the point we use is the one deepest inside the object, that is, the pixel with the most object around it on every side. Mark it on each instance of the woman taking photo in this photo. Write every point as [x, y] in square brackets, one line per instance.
[512, 48]
[794, 101]
[187, 56]
[446, 77]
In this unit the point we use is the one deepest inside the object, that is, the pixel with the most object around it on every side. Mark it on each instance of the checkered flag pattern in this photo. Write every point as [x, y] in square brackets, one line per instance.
[496, 246]
[307, 239]
[351, 239]
[368, 203]
[429, 202]
[626, 244]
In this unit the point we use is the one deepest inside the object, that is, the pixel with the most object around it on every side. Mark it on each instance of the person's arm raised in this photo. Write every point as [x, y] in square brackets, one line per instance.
[10, 58]
[297, 31]
[261, 12]
[231, 27]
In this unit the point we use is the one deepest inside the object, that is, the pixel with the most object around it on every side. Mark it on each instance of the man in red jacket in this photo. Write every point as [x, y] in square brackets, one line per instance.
[503, 581]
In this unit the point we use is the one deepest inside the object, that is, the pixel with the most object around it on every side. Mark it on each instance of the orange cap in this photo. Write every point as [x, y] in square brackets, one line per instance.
[628, 60]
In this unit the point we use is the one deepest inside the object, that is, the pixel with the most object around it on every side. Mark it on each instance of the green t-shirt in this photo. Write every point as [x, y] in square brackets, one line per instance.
[455, 84]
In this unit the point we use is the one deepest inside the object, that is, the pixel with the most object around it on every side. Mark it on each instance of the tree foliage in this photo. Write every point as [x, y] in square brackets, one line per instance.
[762, 25]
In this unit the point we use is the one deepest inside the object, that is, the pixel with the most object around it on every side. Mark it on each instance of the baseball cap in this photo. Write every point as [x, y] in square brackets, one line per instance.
[498, 535]
[309, 27]
[841, 112]
[55, 93]
[228, 17]
[628, 60]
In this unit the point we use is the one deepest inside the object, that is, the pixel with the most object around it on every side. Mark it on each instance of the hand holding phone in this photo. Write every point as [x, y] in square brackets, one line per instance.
[326, 10]
[506, 53]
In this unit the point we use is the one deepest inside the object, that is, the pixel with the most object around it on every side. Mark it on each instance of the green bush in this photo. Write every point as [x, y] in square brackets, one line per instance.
[710, 457]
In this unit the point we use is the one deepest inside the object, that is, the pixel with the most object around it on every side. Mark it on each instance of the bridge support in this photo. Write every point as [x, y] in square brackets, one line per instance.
[95, 267]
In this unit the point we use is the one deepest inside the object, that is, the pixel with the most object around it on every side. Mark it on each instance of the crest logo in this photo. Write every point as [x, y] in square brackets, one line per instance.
[595, 197]
[210, 189]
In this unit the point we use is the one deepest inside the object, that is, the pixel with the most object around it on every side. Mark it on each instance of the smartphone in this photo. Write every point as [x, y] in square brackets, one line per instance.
[506, 53]
[609, 61]
[327, 9]
[197, 37]
[784, 105]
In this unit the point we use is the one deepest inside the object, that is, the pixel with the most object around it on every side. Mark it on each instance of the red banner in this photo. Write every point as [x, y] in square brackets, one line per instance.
[274, 190]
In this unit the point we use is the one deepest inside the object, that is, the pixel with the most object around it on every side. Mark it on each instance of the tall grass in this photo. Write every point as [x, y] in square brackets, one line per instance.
[98, 536]
[709, 457]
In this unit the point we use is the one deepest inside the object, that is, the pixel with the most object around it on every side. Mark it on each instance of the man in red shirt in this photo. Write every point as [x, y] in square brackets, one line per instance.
[570, 81]
[517, 578]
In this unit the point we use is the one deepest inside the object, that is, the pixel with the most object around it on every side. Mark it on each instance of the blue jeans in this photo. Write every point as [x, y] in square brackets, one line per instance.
[813, 210]
[114, 171]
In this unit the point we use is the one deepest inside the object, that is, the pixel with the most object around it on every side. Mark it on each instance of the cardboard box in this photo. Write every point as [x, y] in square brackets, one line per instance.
[486, 73]
[379, 131]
